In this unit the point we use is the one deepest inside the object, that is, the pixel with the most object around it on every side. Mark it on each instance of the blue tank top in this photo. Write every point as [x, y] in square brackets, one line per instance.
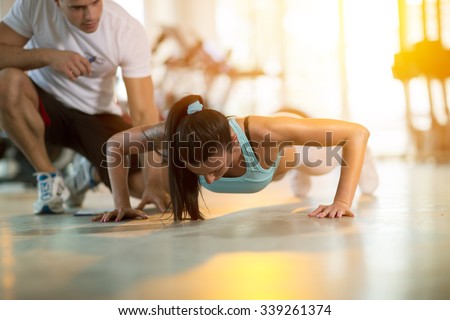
[255, 177]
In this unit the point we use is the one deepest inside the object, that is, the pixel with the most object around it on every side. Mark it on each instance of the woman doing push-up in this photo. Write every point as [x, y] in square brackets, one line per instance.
[200, 147]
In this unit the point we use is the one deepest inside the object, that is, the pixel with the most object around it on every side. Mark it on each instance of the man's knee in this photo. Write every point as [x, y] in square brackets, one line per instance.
[13, 84]
[11, 77]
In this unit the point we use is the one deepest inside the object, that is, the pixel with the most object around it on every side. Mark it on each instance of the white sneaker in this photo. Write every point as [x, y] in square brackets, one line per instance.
[78, 180]
[301, 184]
[50, 193]
[368, 181]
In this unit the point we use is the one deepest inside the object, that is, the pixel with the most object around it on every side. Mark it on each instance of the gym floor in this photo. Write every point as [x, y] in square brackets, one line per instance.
[258, 246]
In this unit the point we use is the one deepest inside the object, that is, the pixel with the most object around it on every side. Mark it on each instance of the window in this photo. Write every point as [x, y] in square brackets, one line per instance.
[325, 73]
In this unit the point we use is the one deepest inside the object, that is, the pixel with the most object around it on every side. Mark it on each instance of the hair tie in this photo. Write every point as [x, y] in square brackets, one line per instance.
[194, 107]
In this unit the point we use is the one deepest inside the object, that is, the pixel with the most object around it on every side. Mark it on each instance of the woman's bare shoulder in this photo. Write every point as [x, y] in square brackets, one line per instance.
[258, 126]
[154, 132]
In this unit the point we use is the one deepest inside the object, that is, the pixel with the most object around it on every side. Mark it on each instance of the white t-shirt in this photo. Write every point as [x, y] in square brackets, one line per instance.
[120, 40]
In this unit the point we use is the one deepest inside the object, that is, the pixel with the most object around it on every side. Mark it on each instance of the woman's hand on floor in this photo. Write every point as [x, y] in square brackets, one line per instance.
[120, 214]
[157, 196]
[335, 210]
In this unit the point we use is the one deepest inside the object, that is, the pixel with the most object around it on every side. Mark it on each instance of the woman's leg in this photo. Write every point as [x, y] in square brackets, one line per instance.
[368, 181]
[307, 162]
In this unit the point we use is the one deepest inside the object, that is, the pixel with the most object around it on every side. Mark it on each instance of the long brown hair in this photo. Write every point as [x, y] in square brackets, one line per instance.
[192, 138]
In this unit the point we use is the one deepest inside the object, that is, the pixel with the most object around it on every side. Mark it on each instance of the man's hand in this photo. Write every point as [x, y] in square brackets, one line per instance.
[71, 64]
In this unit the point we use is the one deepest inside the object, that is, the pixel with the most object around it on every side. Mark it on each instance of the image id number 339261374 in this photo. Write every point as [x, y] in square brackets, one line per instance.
[295, 310]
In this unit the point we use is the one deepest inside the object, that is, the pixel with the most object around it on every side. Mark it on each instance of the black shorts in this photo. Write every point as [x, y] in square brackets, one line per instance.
[86, 134]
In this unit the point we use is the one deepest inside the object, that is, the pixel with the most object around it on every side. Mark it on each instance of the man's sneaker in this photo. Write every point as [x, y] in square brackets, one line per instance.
[50, 192]
[79, 179]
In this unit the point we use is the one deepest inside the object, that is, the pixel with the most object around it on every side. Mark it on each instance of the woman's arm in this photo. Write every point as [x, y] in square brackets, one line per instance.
[136, 140]
[326, 133]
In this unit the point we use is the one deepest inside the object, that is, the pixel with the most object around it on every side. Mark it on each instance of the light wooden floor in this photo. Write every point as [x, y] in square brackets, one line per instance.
[259, 246]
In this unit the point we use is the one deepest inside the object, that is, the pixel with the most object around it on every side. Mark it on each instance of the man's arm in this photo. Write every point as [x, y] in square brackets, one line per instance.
[13, 55]
[141, 101]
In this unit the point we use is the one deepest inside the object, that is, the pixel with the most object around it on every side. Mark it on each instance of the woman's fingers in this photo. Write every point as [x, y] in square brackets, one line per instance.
[141, 215]
[108, 216]
[120, 214]
[317, 211]
[331, 211]
[97, 218]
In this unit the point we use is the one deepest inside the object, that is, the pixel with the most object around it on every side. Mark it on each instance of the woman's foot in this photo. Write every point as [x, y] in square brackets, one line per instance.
[368, 181]
[301, 184]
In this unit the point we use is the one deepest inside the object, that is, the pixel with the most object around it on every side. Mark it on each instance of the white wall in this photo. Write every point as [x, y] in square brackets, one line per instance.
[4, 6]
[197, 16]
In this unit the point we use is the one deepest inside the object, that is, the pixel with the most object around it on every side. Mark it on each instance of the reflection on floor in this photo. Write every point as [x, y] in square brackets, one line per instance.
[260, 246]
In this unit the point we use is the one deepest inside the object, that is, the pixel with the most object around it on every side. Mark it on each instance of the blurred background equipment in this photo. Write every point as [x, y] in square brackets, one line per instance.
[424, 64]
[194, 65]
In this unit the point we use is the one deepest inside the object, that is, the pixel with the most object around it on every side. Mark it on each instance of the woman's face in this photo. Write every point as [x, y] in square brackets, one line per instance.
[214, 168]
